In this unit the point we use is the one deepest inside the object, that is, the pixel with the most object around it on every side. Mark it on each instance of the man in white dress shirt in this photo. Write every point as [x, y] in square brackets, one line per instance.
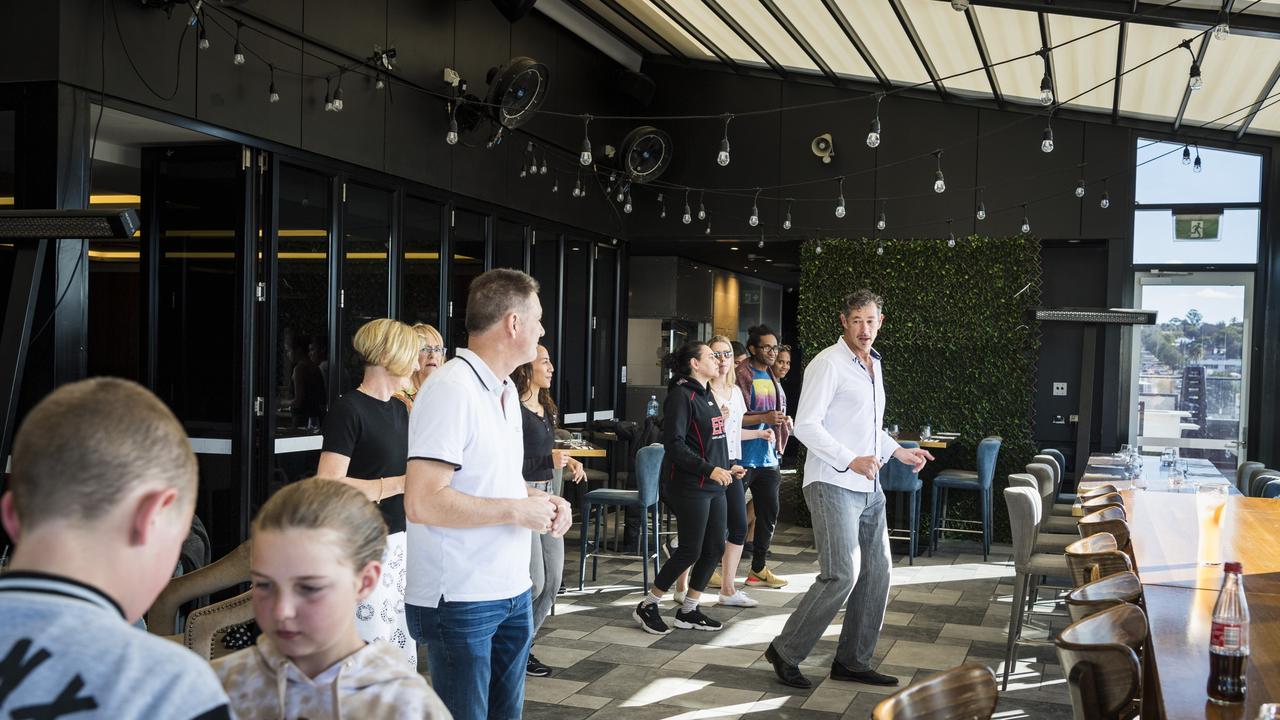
[840, 420]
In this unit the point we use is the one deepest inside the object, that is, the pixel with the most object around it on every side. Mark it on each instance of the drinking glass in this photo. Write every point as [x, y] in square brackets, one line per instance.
[893, 431]
[1176, 477]
[926, 432]
[1211, 505]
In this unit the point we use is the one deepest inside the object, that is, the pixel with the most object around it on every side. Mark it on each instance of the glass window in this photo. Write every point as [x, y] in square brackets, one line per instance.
[546, 270]
[604, 361]
[421, 237]
[8, 163]
[508, 245]
[1156, 238]
[366, 239]
[302, 315]
[575, 338]
[1226, 176]
[467, 250]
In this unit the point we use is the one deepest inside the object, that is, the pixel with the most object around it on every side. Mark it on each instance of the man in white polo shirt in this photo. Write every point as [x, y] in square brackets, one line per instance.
[840, 420]
[469, 511]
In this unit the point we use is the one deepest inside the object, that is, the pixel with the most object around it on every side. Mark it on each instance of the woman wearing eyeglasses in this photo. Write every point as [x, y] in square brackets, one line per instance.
[430, 358]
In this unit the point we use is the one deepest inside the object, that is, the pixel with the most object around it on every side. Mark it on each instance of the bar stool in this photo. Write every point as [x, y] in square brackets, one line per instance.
[1100, 502]
[1108, 592]
[1054, 542]
[1271, 488]
[1109, 520]
[967, 692]
[1243, 472]
[1100, 661]
[1061, 460]
[1024, 520]
[978, 480]
[898, 477]
[1095, 557]
[1056, 505]
[1055, 520]
[1257, 480]
[645, 497]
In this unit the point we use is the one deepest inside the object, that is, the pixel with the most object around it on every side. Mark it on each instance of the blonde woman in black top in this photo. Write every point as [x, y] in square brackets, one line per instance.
[538, 416]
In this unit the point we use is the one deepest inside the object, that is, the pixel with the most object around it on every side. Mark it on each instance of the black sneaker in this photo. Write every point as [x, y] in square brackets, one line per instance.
[695, 620]
[533, 668]
[650, 619]
[867, 677]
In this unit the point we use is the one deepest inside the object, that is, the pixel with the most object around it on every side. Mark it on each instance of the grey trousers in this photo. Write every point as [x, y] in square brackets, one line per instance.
[853, 555]
[546, 569]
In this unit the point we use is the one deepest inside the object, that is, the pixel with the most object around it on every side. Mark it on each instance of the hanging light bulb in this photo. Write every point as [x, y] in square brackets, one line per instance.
[1196, 166]
[939, 182]
[786, 220]
[622, 192]
[555, 185]
[754, 220]
[626, 206]
[585, 157]
[840, 211]
[542, 170]
[818, 248]
[760, 244]
[452, 136]
[1046, 141]
[523, 173]
[1026, 222]
[272, 95]
[337, 97]
[882, 222]
[237, 54]
[533, 160]
[1195, 82]
[722, 157]
[328, 98]
[1186, 155]
[379, 83]
[687, 217]
[662, 202]
[981, 213]
[951, 239]
[707, 230]
[577, 188]
[1080, 188]
[202, 38]
[873, 135]
[1046, 82]
[702, 209]
[880, 248]
[1221, 32]
[1105, 202]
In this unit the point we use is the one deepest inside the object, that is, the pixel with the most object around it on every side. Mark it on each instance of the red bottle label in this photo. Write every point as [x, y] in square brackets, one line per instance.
[1224, 637]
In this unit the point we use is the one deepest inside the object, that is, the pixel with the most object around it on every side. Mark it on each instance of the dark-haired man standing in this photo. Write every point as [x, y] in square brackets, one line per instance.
[841, 422]
[766, 408]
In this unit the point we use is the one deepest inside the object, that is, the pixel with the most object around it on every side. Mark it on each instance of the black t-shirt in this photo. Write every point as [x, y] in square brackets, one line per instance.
[539, 439]
[375, 435]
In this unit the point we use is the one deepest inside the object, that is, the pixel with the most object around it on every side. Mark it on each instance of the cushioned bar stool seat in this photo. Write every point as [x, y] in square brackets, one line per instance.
[1060, 470]
[1046, 540]
[978, 481]
[1272, 487]
[1243, 472]
[1101, 594]
[1258, 479]
[898, 477]
[1054, 521]
[1030, 566]
[644, 497]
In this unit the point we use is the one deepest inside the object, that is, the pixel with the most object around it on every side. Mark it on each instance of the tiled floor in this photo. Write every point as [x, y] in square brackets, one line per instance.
[944, 611]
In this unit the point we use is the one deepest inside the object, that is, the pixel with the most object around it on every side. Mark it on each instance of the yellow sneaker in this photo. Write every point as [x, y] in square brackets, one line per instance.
[766, 578]
[715, 580]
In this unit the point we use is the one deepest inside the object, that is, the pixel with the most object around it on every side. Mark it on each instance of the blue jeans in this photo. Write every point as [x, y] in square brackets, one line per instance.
[477, 653]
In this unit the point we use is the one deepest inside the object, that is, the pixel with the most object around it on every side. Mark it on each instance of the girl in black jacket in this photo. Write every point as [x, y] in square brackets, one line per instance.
[695, 471]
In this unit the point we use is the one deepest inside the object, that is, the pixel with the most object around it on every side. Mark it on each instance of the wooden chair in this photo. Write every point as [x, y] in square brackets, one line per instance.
[1095, 557]
[1097, 491]
[1098, 502]
[967, 692]
[1109, 520]
[1112, 590]
[204, 627]
[1100, 661]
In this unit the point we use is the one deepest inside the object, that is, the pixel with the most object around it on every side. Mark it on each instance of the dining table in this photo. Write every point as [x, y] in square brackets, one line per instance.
[1179, 564]
[935, 441]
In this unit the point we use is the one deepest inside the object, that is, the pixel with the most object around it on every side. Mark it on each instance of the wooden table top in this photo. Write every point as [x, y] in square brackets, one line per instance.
[933, 443]
[1179, 594]
[581, 449]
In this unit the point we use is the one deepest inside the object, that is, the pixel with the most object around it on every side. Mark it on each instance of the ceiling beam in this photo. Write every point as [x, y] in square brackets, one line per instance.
[596, 19]
[978, 39]
[1186, 91]
[1161, 14]
[1267, 89]
[918, 45]
[745, 36]
[1121, 46]
[693, 32]
[838, 15]
[1046, 42]
[800, 40]
[635, 22]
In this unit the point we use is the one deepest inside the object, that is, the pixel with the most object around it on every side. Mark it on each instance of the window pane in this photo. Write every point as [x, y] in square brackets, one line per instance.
[604, 362]
[7, 166]
[467, 263]
[302, 316]
[546, 270]
[366, 230]
[508, 245]
[421, 262]
[1226, 176]
[1154, 243]
[576, 336]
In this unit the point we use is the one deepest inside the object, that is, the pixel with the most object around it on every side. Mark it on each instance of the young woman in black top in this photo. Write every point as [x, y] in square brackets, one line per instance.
[366, 445]
[538, 417]
[695, 471]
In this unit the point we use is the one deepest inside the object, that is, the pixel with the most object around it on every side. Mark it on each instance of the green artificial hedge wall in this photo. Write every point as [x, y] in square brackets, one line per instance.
[959, 343]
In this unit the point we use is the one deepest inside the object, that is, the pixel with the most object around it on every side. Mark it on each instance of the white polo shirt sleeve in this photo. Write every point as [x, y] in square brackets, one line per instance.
[437, 434]
[820, 386]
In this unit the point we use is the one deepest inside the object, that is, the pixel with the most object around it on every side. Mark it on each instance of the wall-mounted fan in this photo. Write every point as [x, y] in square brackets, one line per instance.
[516, 91]
[646, 153]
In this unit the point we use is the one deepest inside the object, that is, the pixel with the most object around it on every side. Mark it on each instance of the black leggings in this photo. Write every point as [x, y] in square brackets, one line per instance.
[735, 498]
[701, 516]
[763, 483]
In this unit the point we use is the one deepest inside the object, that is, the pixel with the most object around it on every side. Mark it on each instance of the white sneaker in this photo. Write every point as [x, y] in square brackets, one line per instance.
[678, 597]
[738, 599]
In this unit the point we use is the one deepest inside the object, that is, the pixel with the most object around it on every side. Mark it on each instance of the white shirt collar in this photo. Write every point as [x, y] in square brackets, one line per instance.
[487, 377]
[875, 356]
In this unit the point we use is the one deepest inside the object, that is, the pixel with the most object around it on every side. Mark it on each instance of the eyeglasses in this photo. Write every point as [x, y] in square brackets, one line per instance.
[433, 349]
[769, 348]
[725, 354]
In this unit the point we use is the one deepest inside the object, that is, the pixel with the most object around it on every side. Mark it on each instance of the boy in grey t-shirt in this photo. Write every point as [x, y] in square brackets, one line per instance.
[100, 500]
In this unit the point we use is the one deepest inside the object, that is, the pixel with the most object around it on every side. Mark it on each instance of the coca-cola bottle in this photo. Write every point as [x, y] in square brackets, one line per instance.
[1229, 639]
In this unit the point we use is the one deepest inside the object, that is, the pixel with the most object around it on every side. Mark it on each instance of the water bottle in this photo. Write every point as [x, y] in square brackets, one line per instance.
[651, 410]
[1229, 639]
